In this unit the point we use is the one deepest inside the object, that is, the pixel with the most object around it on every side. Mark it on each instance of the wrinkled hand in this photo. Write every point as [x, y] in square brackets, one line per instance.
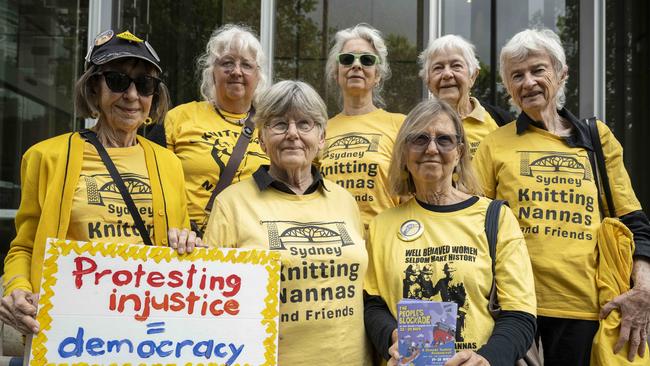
[393, 351]
[184, 240]
[467, 358]
[18, 309]
[634, 306]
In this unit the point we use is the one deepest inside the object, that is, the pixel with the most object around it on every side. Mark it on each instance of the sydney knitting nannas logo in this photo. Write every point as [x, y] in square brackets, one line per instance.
[351, 145]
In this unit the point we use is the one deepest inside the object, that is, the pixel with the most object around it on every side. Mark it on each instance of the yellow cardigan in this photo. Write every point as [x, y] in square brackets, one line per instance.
[49, 175]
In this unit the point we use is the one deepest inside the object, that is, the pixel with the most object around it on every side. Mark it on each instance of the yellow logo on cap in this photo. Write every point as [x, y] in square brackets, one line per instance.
[129, 37]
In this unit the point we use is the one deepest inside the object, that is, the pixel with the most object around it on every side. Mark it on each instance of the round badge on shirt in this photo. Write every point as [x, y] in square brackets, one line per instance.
[410, 230]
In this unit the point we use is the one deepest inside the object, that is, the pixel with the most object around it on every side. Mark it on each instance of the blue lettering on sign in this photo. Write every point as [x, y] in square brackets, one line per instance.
[74, 347]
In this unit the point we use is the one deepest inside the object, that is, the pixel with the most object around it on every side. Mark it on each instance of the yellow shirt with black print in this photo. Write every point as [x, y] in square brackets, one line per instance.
[204, 141]
[357, 154]
[550, 188]
[418, 253]
[98, 210]
[320, 240]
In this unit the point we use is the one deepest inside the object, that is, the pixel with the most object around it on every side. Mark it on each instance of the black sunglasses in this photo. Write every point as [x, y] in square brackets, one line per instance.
[119, 82]
[366, 59]
[444, 143]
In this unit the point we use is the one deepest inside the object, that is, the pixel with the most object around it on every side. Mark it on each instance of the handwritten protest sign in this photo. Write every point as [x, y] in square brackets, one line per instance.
[119, 304]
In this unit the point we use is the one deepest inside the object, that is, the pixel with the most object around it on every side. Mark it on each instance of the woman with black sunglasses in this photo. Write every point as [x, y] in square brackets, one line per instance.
[102, 184]
[360, 139]
[440, 236]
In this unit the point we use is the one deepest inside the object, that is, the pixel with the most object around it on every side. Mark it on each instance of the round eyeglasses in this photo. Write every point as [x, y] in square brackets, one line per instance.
[280, 127]
[228, 65]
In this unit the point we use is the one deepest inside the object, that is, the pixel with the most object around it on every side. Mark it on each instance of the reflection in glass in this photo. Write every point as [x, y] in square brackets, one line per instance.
[42, 45]
[179, 31]
[474, 21]
[304, 32]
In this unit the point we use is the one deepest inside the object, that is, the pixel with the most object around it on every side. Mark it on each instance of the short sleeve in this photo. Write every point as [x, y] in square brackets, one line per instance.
[370, 284]
[514, 273]
[625, 200]
[171, 126]
[220, 232]
[485, 170]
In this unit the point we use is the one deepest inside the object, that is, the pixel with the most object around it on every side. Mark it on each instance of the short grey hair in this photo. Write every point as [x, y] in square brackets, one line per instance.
[290, 96]
[400, 179]
[371, 35]
[230, 37]
[450, 42]
[535, 41]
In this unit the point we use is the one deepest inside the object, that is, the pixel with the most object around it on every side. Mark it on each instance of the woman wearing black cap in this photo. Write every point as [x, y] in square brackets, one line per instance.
[102, 184]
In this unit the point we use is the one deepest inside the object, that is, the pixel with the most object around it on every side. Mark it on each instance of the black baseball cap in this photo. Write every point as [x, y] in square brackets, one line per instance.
[109, 46]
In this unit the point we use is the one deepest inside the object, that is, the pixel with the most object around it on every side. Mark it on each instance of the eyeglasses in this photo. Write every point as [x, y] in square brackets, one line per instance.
[119, 82]
[228, 65]
[444, 143]
[366, 59]
[280, 127]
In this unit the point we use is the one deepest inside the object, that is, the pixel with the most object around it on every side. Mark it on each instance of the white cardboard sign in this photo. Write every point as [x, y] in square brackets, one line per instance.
[117, 304]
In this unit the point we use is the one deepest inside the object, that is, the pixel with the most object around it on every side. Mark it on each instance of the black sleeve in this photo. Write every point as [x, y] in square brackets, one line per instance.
[500, 115]
[155, 132]
[637, 222]
[511, 338]
[379, 323]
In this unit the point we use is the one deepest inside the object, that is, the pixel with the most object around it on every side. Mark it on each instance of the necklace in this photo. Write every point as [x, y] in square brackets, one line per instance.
[239, 121]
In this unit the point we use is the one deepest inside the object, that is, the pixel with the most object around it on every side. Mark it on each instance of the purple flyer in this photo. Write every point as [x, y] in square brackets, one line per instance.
[426, 332]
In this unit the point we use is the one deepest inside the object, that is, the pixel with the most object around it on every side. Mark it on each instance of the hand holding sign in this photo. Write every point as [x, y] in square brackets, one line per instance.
[18, 309]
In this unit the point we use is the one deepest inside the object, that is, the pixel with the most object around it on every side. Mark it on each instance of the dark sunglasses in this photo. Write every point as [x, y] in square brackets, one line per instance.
[119, 82]
[444, 143]
[366, 59]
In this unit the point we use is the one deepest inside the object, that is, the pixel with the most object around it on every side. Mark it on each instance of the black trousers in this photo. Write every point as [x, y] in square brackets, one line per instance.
[566, 342]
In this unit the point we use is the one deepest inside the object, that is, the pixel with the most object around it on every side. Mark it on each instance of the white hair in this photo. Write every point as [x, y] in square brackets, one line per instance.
[371, 35]
[228, 38]
[448, 43]
[535, 41]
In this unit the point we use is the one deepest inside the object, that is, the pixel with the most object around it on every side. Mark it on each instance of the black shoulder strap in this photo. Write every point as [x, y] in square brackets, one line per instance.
[228, 173]
[491, 231]
[91, 137]
[599, 167]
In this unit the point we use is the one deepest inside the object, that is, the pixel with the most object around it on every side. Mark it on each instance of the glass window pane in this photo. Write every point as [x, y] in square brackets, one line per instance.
[42, 46]
[304, 32]
[471, 19]
[561, 16]
[179, 31]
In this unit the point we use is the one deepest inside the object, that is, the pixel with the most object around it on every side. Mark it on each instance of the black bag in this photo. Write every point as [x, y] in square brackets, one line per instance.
[532, 357]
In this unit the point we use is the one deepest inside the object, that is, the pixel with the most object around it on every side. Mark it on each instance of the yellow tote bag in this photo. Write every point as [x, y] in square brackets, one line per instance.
[615, 248]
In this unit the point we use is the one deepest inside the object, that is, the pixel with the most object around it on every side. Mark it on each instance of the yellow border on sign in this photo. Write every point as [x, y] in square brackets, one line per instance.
[270, 260]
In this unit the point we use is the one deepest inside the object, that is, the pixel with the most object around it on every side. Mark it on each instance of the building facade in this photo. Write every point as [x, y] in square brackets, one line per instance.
[43, 44]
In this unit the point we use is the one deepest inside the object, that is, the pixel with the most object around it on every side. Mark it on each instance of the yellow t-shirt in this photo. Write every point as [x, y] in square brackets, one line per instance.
[98, 209]
[357, 154]
[450, 261]
[550, 188]
[203, 141]
[477, 125]
[324, 260]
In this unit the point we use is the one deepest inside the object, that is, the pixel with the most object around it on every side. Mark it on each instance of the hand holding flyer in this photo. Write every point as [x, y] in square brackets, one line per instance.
[426, 332]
